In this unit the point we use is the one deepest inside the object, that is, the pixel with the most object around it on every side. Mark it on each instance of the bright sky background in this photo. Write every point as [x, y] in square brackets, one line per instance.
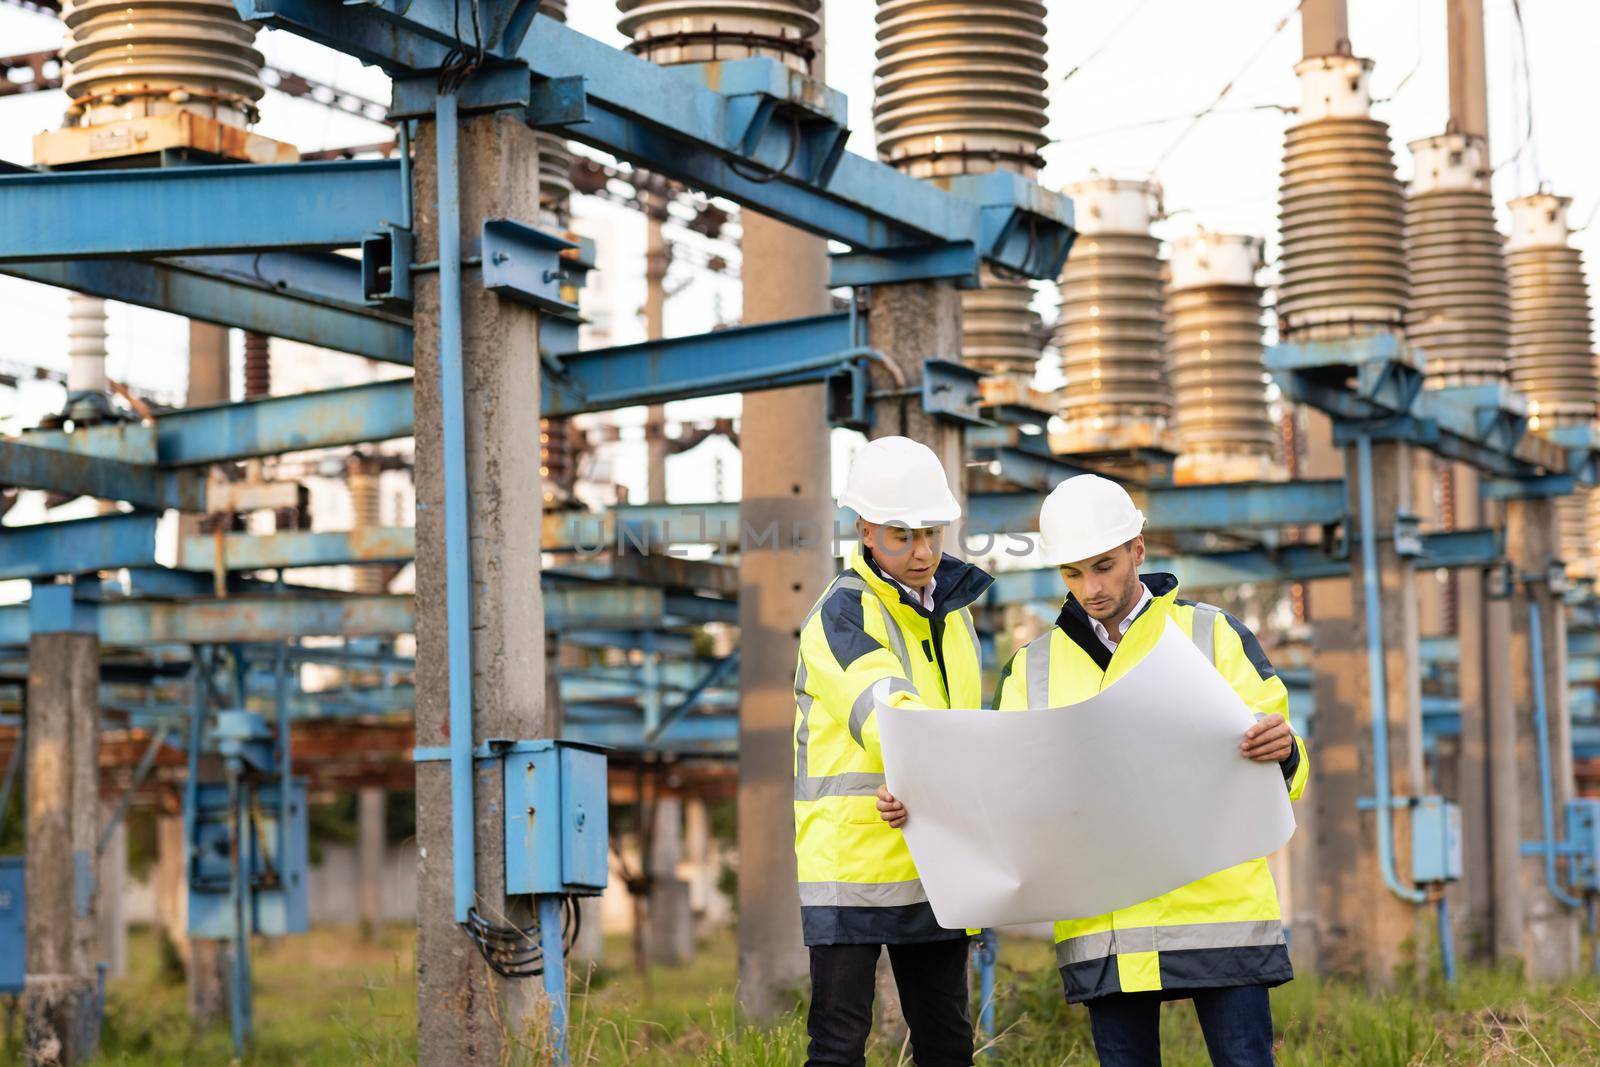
[1142, 67]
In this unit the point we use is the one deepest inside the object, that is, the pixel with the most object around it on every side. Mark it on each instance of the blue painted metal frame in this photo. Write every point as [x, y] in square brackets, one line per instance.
[769, 355]
[78, 546]
[299, 296]
[669, 121]
[1287, 563]
[353, 415]
[196, 210]
[76, 474]
[457, 532]
[242, 619]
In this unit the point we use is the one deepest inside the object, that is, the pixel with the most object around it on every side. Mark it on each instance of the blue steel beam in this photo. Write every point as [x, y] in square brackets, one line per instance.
[241, 619]
[78, 546]
[248, 552]
[168, 211]
[673, 123]
[621, 608]
[268, 293]
[1289, 563]
[74, 474]
[376, 412]
[698, 734]
[741, 359]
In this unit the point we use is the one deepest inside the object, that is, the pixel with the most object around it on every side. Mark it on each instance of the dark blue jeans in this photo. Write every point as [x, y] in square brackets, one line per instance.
[1236, 1021]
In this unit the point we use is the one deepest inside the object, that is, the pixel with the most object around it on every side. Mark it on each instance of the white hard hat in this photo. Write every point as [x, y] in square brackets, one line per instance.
[1085, 516]
[897, 480]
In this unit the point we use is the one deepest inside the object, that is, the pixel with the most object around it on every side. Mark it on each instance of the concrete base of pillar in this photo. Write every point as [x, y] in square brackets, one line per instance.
[61, 1019]
[671, 933]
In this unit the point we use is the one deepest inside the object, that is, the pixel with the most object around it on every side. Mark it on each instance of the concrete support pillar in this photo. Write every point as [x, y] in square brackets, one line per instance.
[788, 488]
[671, 934]
[589, 949]
[1324, 28]
[1363, 929]
[113, 883]
[1476, 637]
[210, 364]
[467, 1014]
[657, 257]
[1548, 941]
[697, 849]
[910, 323]
[171, 886]
[60, 1002]
[1469, 86]
[369, 859]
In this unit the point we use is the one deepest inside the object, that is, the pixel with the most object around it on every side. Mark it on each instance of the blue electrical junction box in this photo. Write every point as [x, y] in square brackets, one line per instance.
[12, 941]
[1435, 840]
[556, 818]
[276, 866]
[1583, 835]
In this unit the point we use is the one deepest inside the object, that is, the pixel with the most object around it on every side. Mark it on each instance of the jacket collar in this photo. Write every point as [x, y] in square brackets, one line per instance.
[956, 584]
[1075, 622]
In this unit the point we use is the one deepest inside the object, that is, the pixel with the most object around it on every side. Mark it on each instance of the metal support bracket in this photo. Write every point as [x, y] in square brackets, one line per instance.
[950, 391]
[781, 120]
[524, 264]
[500, 87]
[386, 258]
[849, 396]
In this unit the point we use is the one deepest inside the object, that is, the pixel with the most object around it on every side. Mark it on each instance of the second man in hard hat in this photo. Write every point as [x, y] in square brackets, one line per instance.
[898, 615]
[1219, 940]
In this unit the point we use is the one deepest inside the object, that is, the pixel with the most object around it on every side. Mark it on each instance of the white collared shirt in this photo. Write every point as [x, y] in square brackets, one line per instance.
[925, 597]
[1122, 628]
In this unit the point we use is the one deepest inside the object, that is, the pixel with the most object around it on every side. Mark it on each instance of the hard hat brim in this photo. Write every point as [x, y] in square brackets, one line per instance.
[941, 514]
[1056, 555]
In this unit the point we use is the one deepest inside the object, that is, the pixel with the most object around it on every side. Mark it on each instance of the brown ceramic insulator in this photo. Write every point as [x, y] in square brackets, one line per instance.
[1111, 330]
[1460, 310]
[1219, 381]
[1342, 215]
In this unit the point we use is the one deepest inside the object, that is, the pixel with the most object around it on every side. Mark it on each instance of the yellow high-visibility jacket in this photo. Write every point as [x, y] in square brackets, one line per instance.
[1225, 929]
[857, 882]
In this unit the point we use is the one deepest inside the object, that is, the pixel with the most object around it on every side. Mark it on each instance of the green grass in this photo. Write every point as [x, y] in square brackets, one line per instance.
[328, 998]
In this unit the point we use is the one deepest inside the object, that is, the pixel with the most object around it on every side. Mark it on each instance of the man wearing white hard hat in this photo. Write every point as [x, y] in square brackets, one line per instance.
[1219, 940]
[898, 614]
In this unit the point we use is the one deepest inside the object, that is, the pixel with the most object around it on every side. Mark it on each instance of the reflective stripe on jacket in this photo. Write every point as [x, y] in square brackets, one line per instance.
[1226, 928]
[857, 882]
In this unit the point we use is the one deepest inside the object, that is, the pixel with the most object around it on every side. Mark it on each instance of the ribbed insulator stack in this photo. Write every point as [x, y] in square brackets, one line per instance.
[1342, 211]
[257, 365]
[1219, 379]
[130, 58]
[1460, 312]
[669, 32]
[961, 90]
[1552, 362]
[961, 85]
[555, 162]
[362, 480]
[86, 344]
[1111, 330]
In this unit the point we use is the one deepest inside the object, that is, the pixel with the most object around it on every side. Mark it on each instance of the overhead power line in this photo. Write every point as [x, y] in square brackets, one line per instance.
[1227, 88]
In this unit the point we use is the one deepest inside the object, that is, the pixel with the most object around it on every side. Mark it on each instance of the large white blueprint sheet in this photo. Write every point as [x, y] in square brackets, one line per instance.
[1064, 813]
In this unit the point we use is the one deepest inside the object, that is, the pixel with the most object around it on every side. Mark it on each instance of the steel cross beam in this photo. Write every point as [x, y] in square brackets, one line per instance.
[737, 360]
[235, 619]
[711, 127]
[299, 296]
[1289, 563]
[195, 210]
